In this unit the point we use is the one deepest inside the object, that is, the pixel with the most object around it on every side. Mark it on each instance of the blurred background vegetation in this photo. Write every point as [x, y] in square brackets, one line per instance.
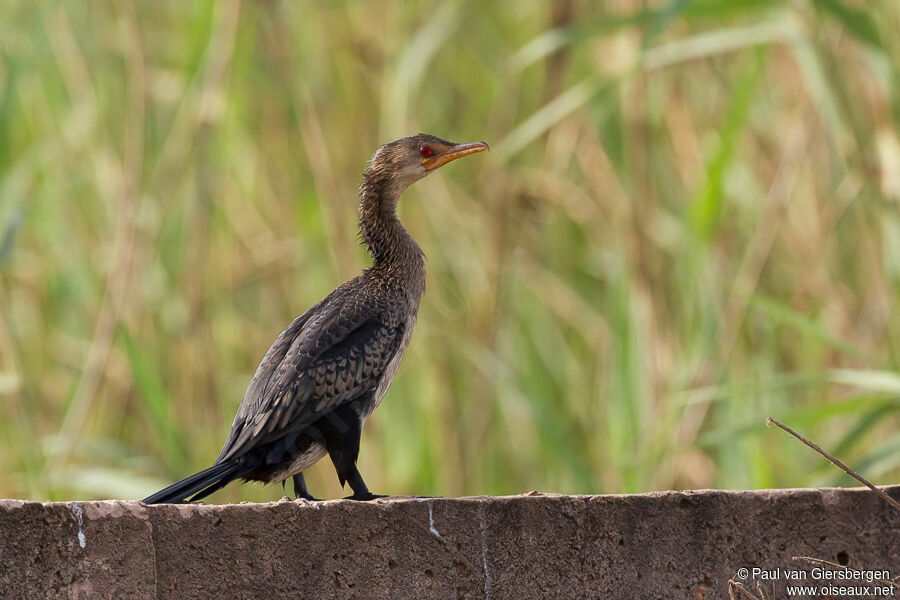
[690, 220]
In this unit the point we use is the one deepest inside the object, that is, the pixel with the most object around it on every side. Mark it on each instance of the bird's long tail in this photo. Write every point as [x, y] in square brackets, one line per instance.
[199, 485]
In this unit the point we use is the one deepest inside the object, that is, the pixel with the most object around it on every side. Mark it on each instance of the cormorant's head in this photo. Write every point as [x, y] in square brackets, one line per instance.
[405, 161]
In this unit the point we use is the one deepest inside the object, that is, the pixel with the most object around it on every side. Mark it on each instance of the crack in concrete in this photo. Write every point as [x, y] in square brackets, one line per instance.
[153, 561]
[484, 556]
[431, 526]
[79, 514]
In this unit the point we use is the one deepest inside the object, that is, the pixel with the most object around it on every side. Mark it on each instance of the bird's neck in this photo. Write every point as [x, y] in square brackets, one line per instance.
[395, 253]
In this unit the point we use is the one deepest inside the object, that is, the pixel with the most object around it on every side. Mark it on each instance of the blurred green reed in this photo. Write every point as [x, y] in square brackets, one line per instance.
[690, 220]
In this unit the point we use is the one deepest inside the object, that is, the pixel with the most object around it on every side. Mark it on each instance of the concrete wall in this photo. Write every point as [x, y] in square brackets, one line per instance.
[659, 545]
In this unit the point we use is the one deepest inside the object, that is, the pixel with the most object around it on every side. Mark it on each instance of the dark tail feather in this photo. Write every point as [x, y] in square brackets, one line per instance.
[202, 484]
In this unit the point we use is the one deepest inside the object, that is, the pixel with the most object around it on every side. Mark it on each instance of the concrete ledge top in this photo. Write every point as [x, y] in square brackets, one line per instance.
[654, 545]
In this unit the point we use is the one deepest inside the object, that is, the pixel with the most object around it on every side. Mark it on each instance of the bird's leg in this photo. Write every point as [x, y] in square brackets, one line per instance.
[341, 431]
[300, 490]
[360, 490]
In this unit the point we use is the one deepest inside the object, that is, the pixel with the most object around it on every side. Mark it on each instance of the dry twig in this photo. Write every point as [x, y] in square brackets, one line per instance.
[771, 421]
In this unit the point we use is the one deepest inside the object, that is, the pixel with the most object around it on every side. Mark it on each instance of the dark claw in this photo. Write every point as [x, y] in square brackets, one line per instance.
[365, 497]
[309, 498]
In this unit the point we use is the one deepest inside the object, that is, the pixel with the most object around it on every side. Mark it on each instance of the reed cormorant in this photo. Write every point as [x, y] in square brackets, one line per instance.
[327, 372]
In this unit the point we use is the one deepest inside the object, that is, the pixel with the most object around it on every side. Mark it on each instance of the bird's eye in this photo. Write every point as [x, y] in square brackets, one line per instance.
[425, 151]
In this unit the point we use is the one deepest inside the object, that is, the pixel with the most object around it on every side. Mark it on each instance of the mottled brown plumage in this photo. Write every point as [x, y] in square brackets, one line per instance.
[327, 372]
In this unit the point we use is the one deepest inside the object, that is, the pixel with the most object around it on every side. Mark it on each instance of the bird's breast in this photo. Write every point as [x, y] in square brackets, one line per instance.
[392, 366]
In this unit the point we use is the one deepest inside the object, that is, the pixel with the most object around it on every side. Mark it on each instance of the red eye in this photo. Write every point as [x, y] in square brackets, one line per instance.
[425, 151]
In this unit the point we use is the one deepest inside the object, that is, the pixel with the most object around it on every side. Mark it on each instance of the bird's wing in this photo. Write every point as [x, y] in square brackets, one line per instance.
[330, 355]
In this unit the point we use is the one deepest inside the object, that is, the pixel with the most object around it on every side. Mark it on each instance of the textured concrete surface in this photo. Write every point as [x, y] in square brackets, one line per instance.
[658, 545]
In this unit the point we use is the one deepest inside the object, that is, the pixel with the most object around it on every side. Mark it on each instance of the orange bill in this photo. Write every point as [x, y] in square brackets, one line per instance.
[452, 153]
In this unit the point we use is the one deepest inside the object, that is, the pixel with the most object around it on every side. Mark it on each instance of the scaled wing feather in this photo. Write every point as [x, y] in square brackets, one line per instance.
[332, 354]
